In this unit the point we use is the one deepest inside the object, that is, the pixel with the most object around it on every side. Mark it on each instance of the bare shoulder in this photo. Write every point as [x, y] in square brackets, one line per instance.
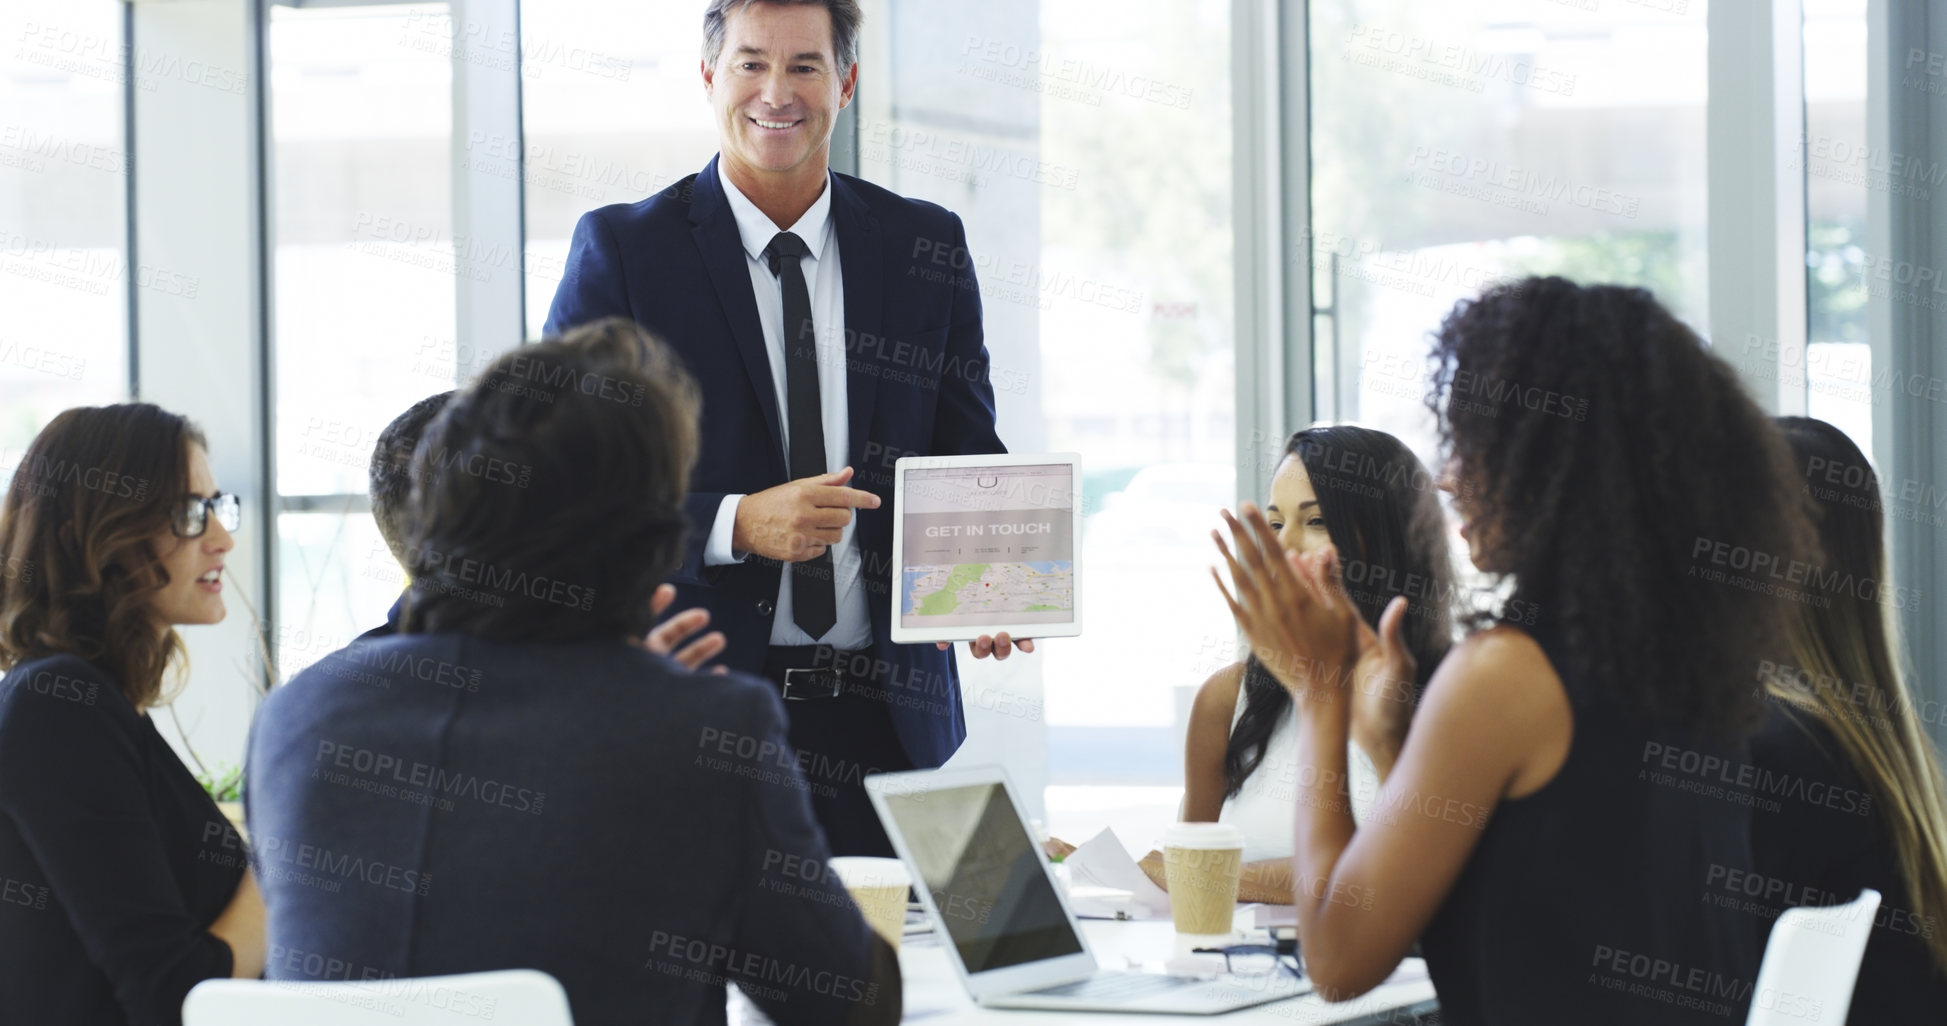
[1218, 695]
[1500, 656]
[1502, 675]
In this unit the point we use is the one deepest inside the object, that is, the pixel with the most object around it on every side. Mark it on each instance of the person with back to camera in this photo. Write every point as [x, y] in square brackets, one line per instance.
[391, 479]
[1365, 493]
[1840, 717]
[1544, 832]
[526, 785]
[833, 327]
[124, 885]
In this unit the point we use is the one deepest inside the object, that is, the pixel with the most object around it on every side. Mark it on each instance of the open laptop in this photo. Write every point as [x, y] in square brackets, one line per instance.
[1008, 930]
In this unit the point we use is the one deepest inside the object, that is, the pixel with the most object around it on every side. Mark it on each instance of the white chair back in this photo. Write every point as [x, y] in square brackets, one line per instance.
[1811, 963]
[525, 996]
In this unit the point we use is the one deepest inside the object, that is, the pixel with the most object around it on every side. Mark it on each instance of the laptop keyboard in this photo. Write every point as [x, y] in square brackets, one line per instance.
[1117, 987]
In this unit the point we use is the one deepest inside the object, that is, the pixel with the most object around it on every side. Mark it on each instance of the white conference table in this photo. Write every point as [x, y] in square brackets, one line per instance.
[934, 996]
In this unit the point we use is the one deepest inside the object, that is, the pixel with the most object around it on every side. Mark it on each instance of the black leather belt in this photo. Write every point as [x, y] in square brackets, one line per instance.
[818, 672]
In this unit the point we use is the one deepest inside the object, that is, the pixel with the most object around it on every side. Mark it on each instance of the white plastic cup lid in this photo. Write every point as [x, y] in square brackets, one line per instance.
[1210, 836]
[868, 871]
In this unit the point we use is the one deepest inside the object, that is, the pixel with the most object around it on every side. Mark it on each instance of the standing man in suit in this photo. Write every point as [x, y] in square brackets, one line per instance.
[833, 327]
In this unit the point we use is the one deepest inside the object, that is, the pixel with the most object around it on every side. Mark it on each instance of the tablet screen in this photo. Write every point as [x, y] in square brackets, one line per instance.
[988, 546]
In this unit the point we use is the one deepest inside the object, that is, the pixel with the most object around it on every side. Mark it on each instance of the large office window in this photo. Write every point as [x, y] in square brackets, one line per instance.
[363, 293]
[1457, 144]
[64, 270]
[1087, 146]
[1840, 171]
[613, 111]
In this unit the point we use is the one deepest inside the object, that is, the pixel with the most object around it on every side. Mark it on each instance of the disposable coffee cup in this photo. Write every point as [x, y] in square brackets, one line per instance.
[1202, 863]
[879, 886]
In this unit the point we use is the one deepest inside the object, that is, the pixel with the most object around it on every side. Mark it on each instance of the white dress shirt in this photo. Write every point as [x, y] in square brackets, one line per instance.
[825, 282]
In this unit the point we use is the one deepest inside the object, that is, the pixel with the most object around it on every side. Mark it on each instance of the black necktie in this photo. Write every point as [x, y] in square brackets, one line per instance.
[814, 595]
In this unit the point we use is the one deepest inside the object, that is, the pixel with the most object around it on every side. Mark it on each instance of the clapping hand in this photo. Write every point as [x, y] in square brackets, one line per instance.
[664, 638]
[1297, 619]
[1382, 684]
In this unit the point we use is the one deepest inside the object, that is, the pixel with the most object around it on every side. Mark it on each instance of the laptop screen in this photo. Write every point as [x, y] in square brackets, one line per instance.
[985, 874]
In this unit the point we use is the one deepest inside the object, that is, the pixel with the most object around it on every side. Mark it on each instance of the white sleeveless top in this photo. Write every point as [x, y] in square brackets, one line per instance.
[1265, 808]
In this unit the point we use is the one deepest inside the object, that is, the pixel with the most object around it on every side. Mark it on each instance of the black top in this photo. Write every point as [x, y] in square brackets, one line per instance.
[1580, 904]
[113, 859]
[1819, 841]
[426, 804]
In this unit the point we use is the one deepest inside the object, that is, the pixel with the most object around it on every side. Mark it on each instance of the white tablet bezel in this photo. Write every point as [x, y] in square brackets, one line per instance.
[1013, 979]
[916, 635]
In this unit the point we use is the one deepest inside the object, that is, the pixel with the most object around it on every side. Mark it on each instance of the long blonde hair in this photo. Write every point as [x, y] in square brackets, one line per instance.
[1848, 677]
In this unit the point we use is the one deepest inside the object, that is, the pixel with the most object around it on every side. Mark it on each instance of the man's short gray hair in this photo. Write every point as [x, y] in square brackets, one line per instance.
[846, 17]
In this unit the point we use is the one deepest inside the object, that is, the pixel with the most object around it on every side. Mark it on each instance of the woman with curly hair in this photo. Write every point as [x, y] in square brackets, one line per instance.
[124, 885]
[1562, 797]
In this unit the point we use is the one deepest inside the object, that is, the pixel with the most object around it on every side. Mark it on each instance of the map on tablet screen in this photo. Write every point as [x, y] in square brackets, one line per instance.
[986, 548]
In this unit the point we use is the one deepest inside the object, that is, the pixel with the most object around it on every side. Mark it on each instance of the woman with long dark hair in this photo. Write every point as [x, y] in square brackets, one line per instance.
[125, 885]
[1364, 493]
[1555, 810]
[1841, 716]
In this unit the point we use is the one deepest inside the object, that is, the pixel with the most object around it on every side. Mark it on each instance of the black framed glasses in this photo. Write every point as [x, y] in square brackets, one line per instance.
[194, 517]
[1259, 959]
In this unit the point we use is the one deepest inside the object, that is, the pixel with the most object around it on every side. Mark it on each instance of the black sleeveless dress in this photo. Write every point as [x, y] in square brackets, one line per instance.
[1817, 839]
[1587, 902]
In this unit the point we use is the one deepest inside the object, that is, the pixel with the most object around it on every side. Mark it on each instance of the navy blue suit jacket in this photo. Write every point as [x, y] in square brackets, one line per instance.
[916, 379]
[425, 804]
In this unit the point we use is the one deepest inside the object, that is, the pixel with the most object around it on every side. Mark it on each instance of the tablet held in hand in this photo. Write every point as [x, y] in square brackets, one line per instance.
[985, 545]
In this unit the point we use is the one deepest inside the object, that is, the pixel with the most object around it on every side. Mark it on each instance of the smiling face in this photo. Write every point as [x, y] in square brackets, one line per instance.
[1293, 511]
[194, 593]
[777, 90]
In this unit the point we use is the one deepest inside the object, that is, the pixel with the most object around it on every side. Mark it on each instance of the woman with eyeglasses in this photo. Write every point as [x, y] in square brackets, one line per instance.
[121, 883]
